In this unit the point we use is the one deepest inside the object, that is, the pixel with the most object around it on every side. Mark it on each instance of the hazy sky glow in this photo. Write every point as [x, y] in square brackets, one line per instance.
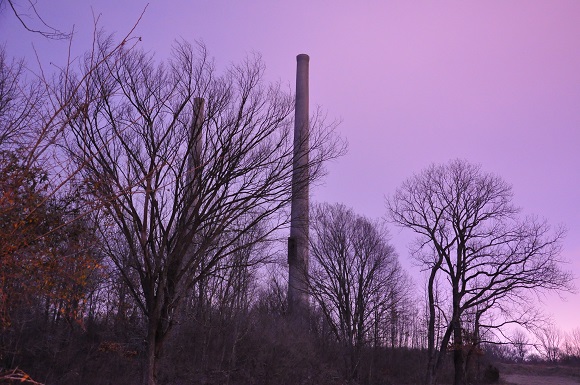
[414, 83]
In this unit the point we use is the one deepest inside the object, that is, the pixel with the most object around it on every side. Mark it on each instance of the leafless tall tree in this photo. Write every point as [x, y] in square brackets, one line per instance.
[549, 339]
[134, 139]
[572, 344]
[520, 342]
[20, 103]
[354, 276]
[470, 233]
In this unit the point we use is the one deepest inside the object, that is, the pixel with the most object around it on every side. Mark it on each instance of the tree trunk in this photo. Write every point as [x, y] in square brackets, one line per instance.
[458, 353]
[431, 352]
[151, 375]
[155, 338]
[430, 379]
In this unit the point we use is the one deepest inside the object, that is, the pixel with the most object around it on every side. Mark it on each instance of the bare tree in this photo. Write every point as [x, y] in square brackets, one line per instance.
[217, 308]
[184, 196]
[572, 344]
[470, 233]
[20, 103]
[273, 299]
[520, 342]
[549, 342]
[354, 276]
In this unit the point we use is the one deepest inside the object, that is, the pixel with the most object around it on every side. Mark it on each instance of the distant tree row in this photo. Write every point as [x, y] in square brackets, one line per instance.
[544, 343]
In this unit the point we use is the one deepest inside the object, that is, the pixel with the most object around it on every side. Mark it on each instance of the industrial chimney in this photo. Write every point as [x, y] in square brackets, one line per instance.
[194, 177]
[194, 156]
[298, 298]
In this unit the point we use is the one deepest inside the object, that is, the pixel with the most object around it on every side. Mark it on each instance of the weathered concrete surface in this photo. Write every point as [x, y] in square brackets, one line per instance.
[298, 299]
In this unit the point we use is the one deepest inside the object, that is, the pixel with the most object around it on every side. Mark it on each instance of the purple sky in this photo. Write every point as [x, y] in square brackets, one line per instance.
[494, 82]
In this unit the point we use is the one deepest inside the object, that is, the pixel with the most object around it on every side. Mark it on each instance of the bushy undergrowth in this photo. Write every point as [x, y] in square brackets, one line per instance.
[254, 346]
[259, 348]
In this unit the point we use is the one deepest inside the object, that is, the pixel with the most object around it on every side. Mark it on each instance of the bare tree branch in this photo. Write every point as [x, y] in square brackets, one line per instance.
[48, 31]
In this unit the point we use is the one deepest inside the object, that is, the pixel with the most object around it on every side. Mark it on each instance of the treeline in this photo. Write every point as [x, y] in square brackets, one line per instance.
[144, 217]
[546, 343]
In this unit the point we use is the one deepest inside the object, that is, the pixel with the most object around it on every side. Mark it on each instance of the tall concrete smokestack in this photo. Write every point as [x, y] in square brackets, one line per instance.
[298, 298]
[194, 156]
[193, 176]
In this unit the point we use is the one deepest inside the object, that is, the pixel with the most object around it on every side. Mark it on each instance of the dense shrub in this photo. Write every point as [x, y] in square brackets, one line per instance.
[491, 374]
